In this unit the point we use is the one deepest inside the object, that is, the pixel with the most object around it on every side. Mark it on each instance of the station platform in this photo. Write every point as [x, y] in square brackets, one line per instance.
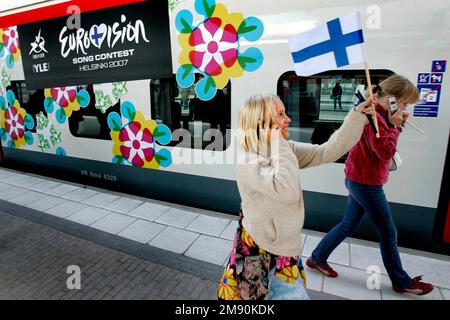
[179, 251]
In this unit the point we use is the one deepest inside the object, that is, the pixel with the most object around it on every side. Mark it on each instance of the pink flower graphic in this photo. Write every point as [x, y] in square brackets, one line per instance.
[213, 46]
[14, 124]
[11, 39]
[138, 145]
[64, 95]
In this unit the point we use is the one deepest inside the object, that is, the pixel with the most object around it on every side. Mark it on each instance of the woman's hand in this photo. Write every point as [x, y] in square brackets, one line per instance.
[366, 107]
[275, 133]
[398, 119]
[405, 117]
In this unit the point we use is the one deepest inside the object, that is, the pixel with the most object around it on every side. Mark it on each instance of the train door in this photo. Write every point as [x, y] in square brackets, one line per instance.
[442, 222]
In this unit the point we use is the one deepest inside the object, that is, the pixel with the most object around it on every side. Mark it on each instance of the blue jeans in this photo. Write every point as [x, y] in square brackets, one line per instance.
[371, 199]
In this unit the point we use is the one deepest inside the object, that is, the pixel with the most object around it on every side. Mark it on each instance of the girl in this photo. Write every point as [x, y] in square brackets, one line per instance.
[367, 170]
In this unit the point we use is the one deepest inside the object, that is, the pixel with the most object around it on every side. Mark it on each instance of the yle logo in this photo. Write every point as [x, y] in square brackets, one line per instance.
[38, 45]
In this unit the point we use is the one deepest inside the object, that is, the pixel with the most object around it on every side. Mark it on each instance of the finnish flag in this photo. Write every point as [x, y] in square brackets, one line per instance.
[332, 45]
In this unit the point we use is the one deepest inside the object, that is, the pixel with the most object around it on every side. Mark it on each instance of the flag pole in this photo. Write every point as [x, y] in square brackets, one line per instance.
[414, 126]
[369, 86]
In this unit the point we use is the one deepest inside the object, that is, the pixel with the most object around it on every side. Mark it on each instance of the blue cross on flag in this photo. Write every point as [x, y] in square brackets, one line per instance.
[332, 45]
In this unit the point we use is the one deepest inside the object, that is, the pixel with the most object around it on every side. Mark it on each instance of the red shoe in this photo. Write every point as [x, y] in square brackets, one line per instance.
[417, 287]
[324, 268]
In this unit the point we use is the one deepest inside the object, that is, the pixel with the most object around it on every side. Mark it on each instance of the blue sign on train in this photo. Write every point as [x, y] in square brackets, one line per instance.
[430, 94]
[439, 66]
[426, 111]
[437, 78]
[423, 78]
[428, 105]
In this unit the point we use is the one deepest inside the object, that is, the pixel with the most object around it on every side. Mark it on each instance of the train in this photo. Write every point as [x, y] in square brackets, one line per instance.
[167, 80]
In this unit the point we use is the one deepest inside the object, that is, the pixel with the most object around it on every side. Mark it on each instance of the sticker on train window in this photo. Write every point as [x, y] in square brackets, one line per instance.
[212, 47]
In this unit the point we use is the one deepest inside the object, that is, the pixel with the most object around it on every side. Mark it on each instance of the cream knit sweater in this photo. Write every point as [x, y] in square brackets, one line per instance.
[272, 201]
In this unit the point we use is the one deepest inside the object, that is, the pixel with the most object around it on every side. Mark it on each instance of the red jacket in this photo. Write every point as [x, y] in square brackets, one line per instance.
[368, 161]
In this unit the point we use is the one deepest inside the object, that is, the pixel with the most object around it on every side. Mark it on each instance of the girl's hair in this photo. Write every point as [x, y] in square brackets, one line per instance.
[256, 118]
[400, 87]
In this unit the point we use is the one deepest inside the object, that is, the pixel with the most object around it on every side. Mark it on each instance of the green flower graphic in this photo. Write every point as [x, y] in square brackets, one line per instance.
[108, 94]
[5, 78]
[49, 136]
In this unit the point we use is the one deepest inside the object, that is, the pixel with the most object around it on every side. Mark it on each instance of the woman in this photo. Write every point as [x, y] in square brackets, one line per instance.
[367, 170]
[265, 262]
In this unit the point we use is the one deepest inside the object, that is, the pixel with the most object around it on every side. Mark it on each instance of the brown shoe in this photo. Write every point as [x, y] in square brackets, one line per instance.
[324, 268]
[417, 287]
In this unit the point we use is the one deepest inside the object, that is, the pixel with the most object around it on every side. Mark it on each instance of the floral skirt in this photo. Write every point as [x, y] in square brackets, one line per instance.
[255, 274]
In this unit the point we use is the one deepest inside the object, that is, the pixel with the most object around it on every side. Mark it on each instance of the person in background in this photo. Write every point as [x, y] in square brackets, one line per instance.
[265, 259]
[337, 94]
[360, 89]
[175, 109]
[366, 171]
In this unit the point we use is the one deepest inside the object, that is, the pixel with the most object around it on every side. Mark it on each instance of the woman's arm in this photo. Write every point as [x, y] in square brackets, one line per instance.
[340, 143]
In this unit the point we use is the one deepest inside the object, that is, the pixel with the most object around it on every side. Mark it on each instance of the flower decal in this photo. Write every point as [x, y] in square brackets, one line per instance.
[49, 136]
[212, 47]
[102, 101]
[228, 286]
[108, 94]
[174, 3]
[61, 152]
[14, 122]
[9, 45]
[5, 79]
[135, 139]
[66, 100]
[119, 89]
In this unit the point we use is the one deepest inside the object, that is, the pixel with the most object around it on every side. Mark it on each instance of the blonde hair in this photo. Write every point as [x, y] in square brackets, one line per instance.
[400, 87]
[256, 118]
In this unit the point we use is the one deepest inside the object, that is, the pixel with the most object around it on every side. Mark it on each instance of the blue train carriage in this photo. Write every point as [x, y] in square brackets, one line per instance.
[143, 97]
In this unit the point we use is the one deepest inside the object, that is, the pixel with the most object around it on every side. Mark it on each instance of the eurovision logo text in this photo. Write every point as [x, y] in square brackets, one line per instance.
[82, 39]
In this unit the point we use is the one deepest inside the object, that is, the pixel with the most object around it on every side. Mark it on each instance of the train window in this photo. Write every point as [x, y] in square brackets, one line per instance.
[204, 122]
[92, 122]
[317, 105]
[30, 100]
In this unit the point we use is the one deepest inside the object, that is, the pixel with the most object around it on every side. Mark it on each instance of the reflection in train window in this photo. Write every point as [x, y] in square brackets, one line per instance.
[317, 105]
[180, 108]
[30, 100]
[91, 121]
